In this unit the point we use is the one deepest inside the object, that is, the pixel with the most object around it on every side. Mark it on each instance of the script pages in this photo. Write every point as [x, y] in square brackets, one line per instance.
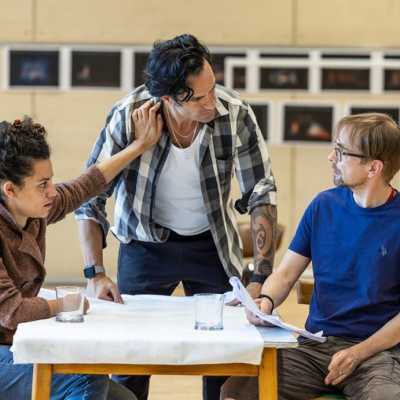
[243, 296]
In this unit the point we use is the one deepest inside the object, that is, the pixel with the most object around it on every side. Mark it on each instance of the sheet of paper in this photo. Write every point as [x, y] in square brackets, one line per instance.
[243, 296]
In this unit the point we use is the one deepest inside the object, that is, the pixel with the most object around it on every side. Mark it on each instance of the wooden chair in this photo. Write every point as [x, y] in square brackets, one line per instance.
[305, 289]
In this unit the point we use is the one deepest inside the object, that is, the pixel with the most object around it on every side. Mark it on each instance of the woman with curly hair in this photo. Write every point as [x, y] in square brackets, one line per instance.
[29, 201]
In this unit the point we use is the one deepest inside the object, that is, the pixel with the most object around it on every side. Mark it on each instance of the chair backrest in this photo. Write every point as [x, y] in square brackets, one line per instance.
[304, 289]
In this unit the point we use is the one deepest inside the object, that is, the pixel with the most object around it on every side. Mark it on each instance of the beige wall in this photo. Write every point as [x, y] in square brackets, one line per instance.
[74, 118]
[258, 22]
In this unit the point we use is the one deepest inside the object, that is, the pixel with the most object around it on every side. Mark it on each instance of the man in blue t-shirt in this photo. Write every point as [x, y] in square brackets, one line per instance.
[351, 234]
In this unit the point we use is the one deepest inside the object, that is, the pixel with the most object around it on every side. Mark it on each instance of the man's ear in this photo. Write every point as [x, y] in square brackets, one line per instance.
[375, 168]
[167, 99]
[8, 189]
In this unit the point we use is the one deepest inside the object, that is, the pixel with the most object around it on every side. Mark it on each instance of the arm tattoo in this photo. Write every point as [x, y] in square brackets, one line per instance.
[263, 226]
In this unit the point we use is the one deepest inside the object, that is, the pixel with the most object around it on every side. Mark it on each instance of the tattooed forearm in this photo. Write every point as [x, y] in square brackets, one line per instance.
[263, 225]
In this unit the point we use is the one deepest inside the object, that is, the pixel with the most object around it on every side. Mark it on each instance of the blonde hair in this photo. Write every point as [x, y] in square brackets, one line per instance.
[377, 137]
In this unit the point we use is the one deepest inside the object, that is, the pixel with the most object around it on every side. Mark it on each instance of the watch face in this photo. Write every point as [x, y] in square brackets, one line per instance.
[89, 272]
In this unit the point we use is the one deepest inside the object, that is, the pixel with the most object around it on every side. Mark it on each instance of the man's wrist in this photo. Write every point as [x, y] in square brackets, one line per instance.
[140, 145]
[93, 270]
[269, 298]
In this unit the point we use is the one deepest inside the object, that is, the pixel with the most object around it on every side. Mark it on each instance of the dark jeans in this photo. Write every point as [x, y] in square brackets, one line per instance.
[157, 268]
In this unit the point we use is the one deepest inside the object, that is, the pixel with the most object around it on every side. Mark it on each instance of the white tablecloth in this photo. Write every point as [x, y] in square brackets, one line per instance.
[144, 330]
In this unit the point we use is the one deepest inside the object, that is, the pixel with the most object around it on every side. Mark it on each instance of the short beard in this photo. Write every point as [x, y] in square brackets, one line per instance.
[337, 177]
[338, 180]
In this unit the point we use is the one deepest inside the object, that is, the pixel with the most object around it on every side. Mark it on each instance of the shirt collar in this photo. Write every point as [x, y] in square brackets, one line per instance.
[221, 109]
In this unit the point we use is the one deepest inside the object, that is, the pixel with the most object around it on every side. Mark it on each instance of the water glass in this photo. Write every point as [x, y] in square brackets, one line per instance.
[71, 302]
[208, 311]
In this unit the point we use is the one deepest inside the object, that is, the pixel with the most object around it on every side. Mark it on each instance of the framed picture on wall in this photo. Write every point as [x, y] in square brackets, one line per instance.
[345, 79]
[391, 79]
[393, 112]
[239, 78]
[239, 73]
[261, 111]
[283, 78]
[96, 68]
[34, 68]
[307, 123]
[139, 65]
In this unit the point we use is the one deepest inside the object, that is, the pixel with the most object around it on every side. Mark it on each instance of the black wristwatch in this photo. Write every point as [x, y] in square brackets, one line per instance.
[90, 271]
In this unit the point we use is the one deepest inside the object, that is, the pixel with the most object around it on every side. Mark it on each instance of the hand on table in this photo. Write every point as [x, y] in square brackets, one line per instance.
[102, 287]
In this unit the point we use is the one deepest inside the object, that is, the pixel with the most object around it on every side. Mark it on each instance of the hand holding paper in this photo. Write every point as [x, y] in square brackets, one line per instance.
[243, 296]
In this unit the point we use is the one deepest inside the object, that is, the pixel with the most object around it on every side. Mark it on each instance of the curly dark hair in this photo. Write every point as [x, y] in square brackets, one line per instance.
[21, 142]
[171, 62]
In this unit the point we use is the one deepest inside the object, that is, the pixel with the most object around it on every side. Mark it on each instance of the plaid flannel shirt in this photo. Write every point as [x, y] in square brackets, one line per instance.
[232, 142]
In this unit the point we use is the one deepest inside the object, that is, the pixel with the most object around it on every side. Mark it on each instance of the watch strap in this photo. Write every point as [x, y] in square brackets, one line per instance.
[90, 271]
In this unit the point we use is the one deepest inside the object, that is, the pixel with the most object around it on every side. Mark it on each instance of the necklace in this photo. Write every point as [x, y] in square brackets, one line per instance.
[176, 134]
[194, 134]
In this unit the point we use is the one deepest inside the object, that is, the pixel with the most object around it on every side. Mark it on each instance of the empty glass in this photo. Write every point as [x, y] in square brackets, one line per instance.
[208, 311]
[71, 302]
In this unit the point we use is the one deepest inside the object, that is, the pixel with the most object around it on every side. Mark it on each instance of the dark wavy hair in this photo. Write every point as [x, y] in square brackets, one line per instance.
[21, 142]
[171, 62]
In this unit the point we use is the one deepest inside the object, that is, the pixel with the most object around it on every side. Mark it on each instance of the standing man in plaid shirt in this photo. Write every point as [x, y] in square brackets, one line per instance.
[173, 214]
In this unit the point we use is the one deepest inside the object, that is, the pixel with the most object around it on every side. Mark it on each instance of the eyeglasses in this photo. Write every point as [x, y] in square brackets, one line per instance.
[340, 152]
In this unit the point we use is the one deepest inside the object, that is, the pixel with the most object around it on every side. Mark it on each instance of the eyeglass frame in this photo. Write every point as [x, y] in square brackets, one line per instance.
[341, 151]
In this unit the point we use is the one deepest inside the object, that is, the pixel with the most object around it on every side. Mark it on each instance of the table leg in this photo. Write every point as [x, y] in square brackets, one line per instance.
[268, 375]
[41, 383]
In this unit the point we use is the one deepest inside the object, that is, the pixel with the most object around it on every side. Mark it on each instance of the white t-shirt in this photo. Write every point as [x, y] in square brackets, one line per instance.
[179, 203]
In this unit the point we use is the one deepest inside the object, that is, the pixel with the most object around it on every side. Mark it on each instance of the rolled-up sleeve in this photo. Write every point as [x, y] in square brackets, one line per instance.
[112, 139]
[252, 163]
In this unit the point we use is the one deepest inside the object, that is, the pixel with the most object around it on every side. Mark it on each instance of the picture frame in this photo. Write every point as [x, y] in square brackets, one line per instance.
[392, 111]
[239, 73]
[139, 65]
[350, 79]
[284, 78]
[307, 123]
[262, 113]
[96, 69]
[34, 68]
[391, 79]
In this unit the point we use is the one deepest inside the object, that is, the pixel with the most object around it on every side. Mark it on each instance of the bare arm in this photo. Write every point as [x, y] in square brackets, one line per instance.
[344, 362]
[91, 239]
[280, 282]
[263, 226]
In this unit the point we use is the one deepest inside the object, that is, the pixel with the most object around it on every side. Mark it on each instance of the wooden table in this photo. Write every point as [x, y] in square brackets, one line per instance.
[79, 349]
[266, 372]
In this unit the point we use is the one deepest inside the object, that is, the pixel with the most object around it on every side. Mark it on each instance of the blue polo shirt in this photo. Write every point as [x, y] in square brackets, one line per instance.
[355, 254]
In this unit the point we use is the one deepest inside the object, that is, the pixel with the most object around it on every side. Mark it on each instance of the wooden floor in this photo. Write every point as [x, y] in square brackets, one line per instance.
[189, 388]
